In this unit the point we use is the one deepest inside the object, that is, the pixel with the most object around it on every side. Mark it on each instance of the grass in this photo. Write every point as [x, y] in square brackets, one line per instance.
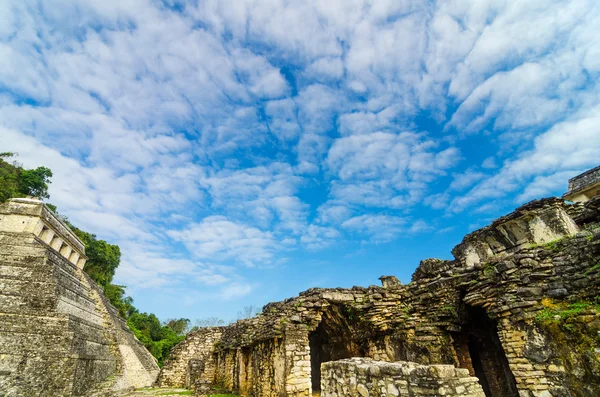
[449, 309]
[179, 392]
[593, 268]
[561, 312]
[489, 271]
[223, 395]
[554, 245]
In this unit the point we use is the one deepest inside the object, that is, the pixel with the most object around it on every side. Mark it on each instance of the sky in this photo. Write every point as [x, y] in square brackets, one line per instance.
[241, 152]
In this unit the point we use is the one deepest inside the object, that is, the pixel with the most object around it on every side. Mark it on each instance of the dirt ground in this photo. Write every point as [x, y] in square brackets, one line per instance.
[162, 392]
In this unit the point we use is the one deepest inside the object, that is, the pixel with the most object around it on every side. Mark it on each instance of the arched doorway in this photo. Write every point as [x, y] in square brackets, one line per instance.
[479, 349]
[332, 340]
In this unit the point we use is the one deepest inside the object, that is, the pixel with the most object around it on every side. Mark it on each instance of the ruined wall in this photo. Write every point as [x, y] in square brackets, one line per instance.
[518, 308]
[198, 346]
[359, 377]
[57, 332]
[584, 186]
[271, 367]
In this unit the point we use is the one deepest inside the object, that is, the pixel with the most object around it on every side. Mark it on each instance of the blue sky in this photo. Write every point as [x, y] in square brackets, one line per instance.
[241, 152]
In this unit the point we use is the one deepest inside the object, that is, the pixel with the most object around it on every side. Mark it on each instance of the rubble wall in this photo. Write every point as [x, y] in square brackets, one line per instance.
[359, 377]
[198, 345]
[518, 308]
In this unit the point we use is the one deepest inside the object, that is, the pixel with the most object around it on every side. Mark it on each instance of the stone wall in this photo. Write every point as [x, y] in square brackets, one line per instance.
[517, 307]
[584, 186]
[584, 180]
[359, 377]
[197, 346]
[58, 334]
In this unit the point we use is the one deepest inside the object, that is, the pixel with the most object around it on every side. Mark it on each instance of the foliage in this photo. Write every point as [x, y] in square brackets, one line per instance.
[489, 271]
[592, 269]
[180, 326]
[35, 182]
[103, 258]
[159, 339]
[449, 309]
[554, 245]
[15, 181]
[116, 296]
[561, 312]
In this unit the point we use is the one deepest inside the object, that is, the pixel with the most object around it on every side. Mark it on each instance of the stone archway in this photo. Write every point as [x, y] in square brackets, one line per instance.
[479, 349]
[331, 340]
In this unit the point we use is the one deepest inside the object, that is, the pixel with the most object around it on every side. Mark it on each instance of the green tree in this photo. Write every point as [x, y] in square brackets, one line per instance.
[103, 258]
[180, 326]
[15, 181]
[35, 182]
[9, 186]
[158, 339]
[116, 296]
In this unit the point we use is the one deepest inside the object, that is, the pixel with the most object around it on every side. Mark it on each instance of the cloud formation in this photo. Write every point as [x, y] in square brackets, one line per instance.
[206, 139]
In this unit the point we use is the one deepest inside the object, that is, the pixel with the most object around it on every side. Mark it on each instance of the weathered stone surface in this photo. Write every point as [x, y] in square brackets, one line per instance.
[59, 336]
[191, 359]
[488, 300]
[355, 377]
[584, 186]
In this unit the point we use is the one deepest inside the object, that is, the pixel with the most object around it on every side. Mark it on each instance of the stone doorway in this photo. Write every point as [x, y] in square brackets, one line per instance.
[479, 349]
[332, 340]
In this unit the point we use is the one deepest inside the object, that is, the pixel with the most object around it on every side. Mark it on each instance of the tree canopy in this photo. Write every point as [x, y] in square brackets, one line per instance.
[103, 258]
[15, 181]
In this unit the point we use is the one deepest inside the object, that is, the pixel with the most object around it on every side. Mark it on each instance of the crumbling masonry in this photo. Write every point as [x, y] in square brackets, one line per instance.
[513, 315]
[59, 336]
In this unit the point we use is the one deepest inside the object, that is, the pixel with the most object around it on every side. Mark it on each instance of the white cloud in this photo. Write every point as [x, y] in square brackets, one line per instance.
[379, 228]
[384, 169]
[278, 122]
[261, 78]
[283, 121]
[318, 237]
[466, 179]
[218, 238]
[326, 68]
[564, 150]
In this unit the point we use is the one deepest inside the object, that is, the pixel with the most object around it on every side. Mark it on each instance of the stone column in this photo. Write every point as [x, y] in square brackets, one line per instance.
[297, 358]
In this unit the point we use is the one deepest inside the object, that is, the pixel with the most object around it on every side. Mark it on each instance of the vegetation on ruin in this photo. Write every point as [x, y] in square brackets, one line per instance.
[561, 312]
[554, 245]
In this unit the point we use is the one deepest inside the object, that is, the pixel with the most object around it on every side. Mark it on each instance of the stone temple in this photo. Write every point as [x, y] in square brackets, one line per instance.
[59, 336]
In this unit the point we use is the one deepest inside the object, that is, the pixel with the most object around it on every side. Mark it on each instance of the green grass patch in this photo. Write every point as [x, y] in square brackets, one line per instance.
[553, 246]
[562, 312]
[593, 268]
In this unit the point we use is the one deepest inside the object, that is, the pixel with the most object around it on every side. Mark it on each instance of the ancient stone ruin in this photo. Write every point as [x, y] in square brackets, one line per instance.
[515, 314]
[59, 336]
[363, 377]
[584, 186]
